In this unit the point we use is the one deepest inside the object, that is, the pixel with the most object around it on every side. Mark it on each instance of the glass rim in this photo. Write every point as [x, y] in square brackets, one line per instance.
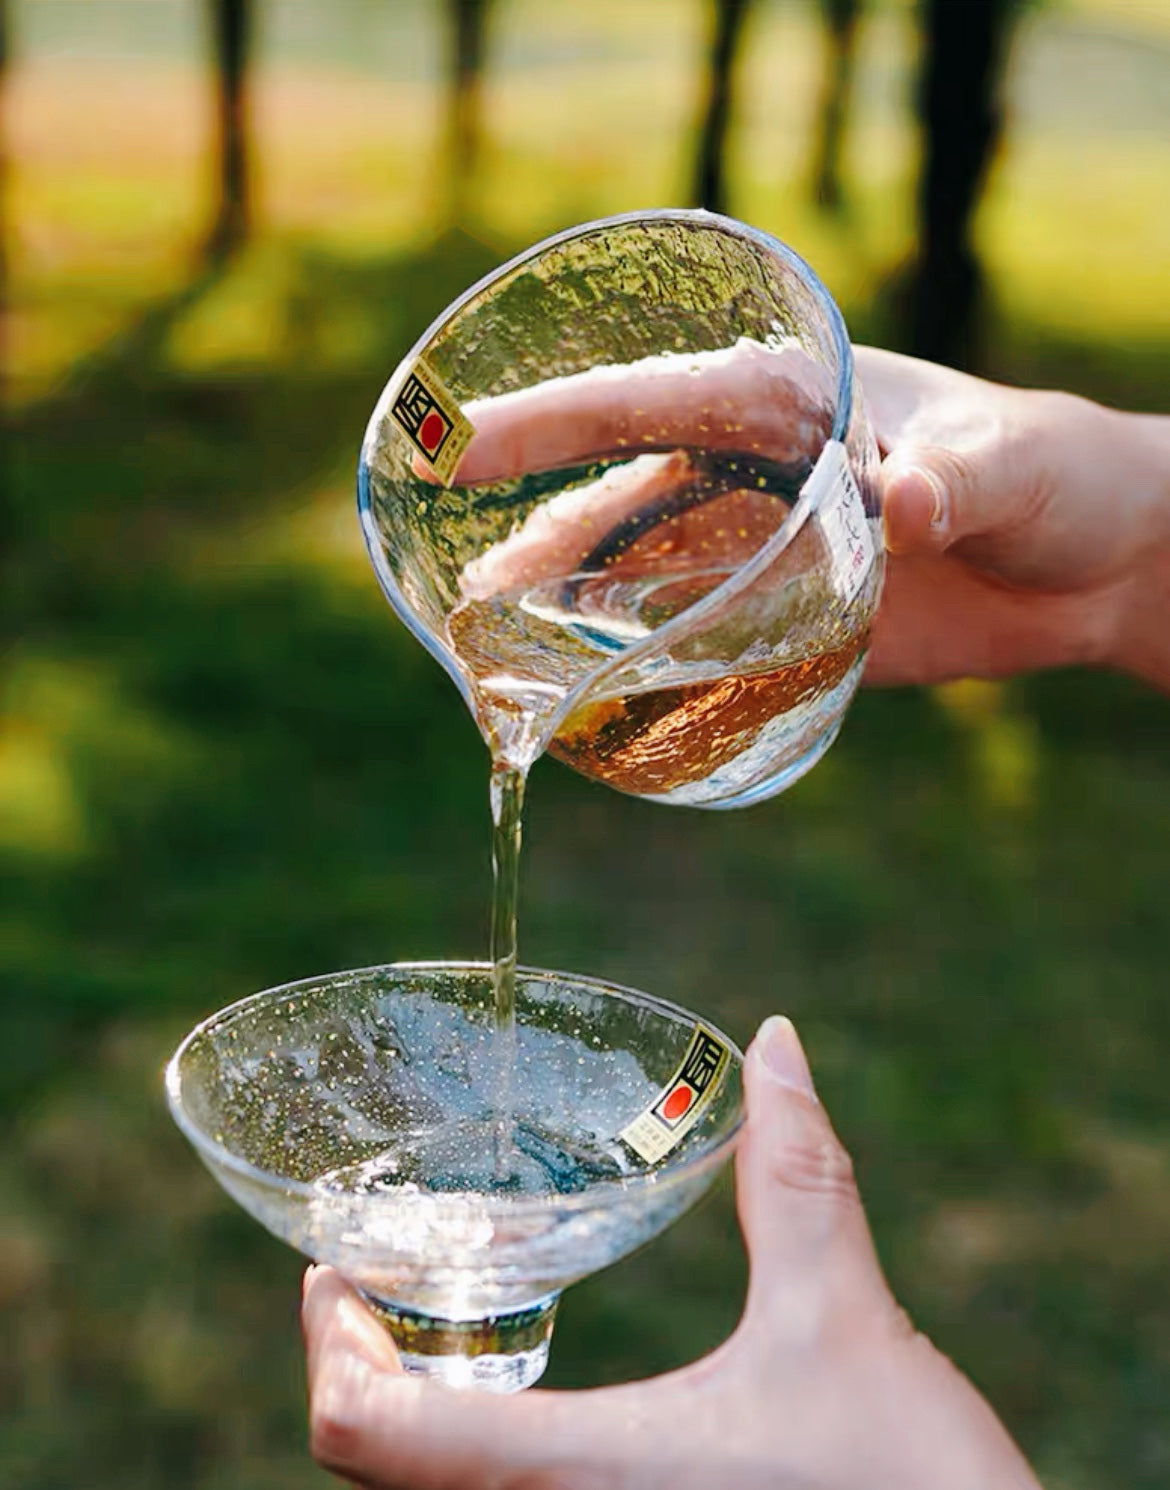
[707, 1156]
[812, 491]
[695, 216]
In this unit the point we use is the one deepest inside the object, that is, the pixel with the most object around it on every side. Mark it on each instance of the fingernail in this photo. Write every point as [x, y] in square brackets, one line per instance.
[307, 1281]
[915, 504]
[783, 1056]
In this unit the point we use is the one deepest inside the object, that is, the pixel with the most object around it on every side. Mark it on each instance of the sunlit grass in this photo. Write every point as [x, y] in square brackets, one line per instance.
[261, 312]
[1005, 744]
[1082, 246]
[39, 811]
[58, 715]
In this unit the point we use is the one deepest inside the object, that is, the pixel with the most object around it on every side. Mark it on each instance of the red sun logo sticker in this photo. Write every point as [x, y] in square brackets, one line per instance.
[431, 431]
[677, 1103]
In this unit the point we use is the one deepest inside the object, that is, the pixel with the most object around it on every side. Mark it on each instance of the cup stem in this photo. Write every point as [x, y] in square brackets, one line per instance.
[498, 1353]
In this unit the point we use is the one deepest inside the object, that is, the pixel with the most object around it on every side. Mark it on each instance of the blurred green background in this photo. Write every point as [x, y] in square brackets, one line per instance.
[223, 764]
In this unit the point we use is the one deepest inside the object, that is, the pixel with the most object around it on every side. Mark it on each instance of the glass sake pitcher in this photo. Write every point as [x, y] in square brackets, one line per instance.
[623, 490]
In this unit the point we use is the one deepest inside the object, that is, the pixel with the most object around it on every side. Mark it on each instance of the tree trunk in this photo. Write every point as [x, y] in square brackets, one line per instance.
[6, 514]
[3, 183]
[467, 21]
[710, 188]
[10, 502]
[962, 117]
[232, 26]
[841, 17]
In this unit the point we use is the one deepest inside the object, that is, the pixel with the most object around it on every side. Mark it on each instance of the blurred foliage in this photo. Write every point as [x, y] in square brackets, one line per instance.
[223, 765]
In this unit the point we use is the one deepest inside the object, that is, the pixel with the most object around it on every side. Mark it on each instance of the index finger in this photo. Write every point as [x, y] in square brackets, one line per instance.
[772, 401]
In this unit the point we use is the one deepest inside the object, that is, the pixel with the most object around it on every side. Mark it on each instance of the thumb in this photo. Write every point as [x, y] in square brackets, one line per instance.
[812, 1259]
[934, 498]
[377, 1427]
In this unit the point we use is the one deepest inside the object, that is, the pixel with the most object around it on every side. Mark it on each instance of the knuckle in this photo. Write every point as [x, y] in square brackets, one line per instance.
[955, 470]
[342, 1410]
[333, 1439]
[820, 1165]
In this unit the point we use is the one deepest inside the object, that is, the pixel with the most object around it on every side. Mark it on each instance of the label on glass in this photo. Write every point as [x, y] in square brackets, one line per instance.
[682, 1101]
[430, 417]
[842, 517]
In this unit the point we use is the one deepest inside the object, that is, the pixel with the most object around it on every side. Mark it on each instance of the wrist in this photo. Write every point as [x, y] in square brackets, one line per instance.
[1140, 643]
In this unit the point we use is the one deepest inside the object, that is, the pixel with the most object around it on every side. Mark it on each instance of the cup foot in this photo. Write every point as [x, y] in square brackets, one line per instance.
[499, 1353]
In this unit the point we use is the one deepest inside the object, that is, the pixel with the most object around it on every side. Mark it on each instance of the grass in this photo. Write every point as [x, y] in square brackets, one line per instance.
[222, 765]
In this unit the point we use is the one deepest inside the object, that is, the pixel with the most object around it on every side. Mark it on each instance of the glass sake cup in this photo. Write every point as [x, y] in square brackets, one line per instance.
[356, 1117]
[623, 490]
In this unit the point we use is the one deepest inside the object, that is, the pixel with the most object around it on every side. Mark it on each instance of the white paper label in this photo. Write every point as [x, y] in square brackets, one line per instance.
[683, 1100]
[842, 517]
